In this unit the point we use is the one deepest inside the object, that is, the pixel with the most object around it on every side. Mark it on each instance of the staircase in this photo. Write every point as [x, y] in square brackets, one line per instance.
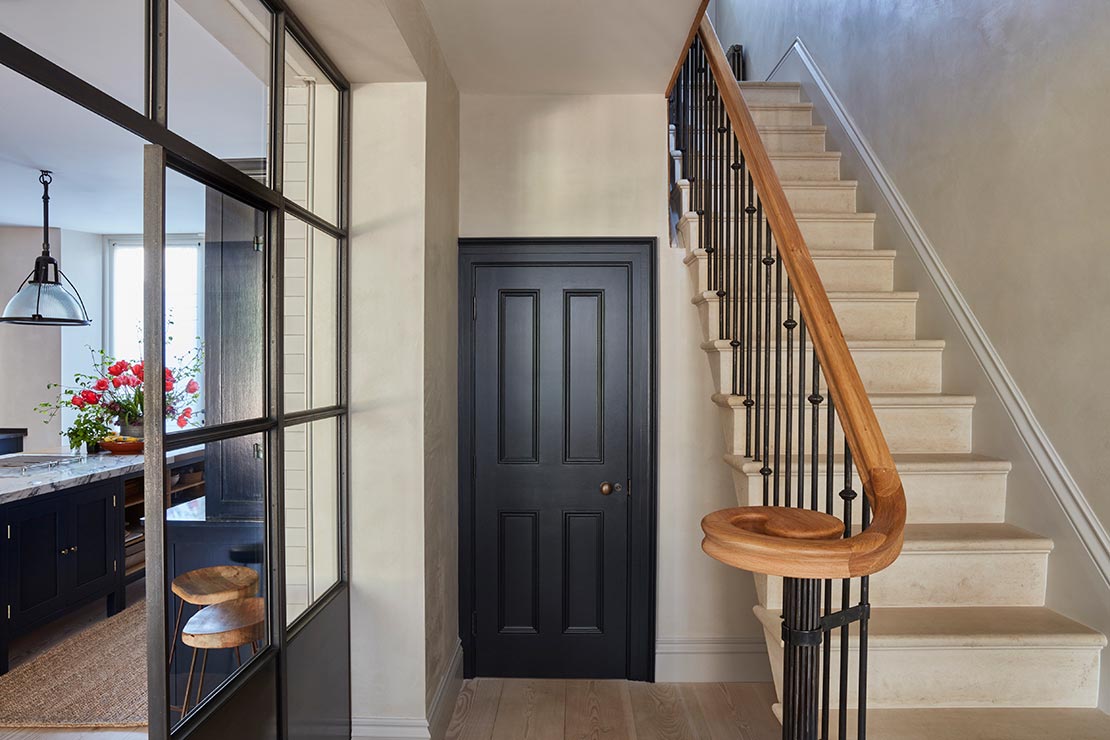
[961, 643]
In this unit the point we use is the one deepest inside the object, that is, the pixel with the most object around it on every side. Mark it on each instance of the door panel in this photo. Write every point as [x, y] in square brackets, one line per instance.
[551, 424]
[35, 564]
[92, 540]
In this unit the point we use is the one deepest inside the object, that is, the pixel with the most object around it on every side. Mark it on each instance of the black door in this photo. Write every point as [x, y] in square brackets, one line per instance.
[555, 349]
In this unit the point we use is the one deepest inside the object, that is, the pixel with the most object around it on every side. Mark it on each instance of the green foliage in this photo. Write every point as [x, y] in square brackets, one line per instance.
[89, 428]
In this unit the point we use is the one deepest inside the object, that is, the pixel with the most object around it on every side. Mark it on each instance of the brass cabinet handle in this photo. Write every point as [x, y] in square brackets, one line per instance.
[65, 551]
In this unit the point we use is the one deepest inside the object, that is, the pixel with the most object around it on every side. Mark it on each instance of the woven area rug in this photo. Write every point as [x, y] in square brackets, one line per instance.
[96, 678]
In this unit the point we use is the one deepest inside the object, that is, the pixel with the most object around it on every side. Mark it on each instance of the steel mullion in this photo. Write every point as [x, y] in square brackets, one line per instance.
[218, 433]
[154, 433]
[157, 60]
[296, 209]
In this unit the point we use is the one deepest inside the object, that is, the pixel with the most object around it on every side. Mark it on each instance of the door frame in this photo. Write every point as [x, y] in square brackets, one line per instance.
[638, 254]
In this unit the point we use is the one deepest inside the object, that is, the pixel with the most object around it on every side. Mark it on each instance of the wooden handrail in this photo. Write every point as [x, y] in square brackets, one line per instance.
[783, 547]
[689, 40]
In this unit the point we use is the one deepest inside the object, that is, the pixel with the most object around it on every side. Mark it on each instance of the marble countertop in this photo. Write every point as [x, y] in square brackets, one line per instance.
[15, 487]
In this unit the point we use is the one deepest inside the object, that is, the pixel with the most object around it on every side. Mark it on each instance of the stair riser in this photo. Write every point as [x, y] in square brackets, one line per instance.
[931, 498]
[882, 370]
[920, 429]
[893, 318]
[818, 233]
[955, 578]
[769, 114]
[793, 141]
[806, 199]
[873, 274]
[963, 677]
[771, 95]
[806, 169]
[823, 169]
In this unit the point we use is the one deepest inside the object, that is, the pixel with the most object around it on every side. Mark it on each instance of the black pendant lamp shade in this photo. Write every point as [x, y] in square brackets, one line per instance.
[42, 298]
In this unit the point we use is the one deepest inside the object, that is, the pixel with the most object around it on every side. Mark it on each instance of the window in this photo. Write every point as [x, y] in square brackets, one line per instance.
[184, 299]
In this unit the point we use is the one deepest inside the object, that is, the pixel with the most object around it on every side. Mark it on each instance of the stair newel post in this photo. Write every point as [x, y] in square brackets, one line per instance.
[801, 636]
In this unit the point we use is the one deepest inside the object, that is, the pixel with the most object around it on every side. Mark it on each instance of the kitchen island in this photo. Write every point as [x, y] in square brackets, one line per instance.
[73, 534]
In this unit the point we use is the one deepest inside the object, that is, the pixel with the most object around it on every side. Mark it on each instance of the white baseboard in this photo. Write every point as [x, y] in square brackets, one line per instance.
[1082, 517]
[434, 727]
[704, 659]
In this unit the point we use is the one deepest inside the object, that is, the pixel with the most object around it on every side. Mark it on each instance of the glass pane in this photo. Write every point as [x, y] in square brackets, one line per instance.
[97, 189]
[311, 157]
[215, 307]
[219, 79]
[215, 565]
[103, 43]
[311, 317]
[311, 512]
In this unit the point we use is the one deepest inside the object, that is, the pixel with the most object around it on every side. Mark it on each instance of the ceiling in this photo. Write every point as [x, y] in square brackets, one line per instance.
[561, 46]
[512, 46]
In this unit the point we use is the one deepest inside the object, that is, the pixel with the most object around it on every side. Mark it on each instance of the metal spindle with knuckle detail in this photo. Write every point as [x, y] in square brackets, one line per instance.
[796, 398]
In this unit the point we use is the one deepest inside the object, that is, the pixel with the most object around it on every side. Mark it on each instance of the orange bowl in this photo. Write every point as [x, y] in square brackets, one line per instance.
[123, 448]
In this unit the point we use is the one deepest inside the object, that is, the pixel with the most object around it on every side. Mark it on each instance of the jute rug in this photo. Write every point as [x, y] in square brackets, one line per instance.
[96, 678]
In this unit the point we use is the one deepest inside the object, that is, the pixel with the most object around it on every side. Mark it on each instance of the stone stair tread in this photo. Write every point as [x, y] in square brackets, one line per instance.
[973, 537]
[812, 215]
[878, 399]
[987, 723]
[907, 462]
[968, 627]
[776, 129]
[843, 295]
[852, 254]
[724, 344]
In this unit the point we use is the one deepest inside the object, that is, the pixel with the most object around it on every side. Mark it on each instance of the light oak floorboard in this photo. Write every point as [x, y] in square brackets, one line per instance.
[516, 709]
[35, 734]
[475, 710]
[599, 710]
[531, 709]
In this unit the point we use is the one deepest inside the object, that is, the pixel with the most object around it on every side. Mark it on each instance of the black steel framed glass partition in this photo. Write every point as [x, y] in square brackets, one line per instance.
[262, 401]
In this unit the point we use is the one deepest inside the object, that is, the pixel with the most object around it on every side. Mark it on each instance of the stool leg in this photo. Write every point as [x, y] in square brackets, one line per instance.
[203, 668]
[188, 684]
[238, 657]
[176, 629]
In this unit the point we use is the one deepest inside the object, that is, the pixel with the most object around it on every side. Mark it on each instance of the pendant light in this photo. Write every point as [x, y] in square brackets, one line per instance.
[42, 299]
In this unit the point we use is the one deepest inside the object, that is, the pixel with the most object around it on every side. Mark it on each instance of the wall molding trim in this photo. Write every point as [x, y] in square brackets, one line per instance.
[700, 659]
[1082, 517]
[440, 710]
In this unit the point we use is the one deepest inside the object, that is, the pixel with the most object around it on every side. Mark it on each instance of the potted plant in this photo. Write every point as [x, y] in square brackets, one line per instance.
[114, 394]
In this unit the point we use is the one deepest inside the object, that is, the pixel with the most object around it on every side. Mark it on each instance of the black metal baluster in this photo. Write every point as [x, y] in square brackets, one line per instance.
[778, 362]
[847, 495]
[815, 399]
[830, 482]
[737, 235]
[768, 262]
[757, 249]
[865, 616]
[790, 325]
[750, 300]
[722, 202]
[801, 628]
[710, 181]
[802, 411]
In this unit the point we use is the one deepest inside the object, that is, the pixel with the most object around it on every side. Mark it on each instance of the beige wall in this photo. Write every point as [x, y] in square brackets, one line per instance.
[596, 165]
[404, 443]
[387, 398]
[989, 117]
[30, 355]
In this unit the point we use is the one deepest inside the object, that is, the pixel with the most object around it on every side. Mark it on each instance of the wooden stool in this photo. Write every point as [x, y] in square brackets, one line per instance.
[207, 586]
[227, 625]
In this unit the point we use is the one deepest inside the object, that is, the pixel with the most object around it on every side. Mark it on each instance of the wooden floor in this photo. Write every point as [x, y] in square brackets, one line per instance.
[526, 709]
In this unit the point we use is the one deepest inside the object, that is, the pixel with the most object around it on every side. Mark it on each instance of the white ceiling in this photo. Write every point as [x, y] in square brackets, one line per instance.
[512, 46]
[561, 46]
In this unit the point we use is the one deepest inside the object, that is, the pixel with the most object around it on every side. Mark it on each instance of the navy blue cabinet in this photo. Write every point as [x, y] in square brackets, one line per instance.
[61, 550]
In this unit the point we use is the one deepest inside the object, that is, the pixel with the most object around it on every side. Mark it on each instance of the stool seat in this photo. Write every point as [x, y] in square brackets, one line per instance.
[216, 584]
[228, 624]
